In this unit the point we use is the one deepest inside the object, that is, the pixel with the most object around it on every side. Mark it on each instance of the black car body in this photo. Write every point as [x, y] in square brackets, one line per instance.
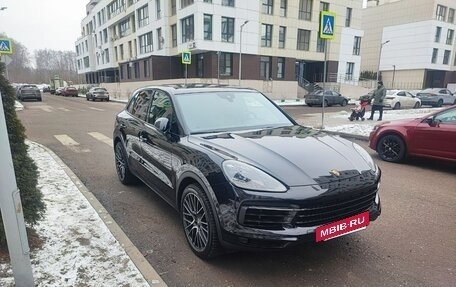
[331, 98]
[97, 93]
[29, 92]
[261, 181]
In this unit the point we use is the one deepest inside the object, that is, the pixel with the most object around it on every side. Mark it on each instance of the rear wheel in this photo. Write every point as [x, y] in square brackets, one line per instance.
[397, 106]
[344, 103]
[391, 148]
[199, 223]
[440, 103]
[417, 105]
[123, 171]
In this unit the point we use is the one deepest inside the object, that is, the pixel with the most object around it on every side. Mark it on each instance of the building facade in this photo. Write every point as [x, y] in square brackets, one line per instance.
[416, 39]
[142, 40]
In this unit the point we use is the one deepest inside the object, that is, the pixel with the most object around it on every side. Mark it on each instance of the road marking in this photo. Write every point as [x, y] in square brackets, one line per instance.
[96, 109]
[44, 108]
[63, 109]
[101, 137]
[71, 143]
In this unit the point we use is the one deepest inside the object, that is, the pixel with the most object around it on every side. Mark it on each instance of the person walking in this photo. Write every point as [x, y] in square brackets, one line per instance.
[378, 95]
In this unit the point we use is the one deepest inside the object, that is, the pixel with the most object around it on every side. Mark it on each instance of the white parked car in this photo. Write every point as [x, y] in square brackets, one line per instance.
[397, 99]
[437, 97]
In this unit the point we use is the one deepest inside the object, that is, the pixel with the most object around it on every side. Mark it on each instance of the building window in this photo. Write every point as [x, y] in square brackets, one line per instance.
[266, 35]
[124, 28]
[146, 68]
[303, 40]
[160, 39]
[451, 15]
[438, 31]
[324, 6]
[357, 46]
[187, 29]
[228, 3]
[208, 1]
[280, 68]
[86, 62]
[129, 71]
[349, 71]
[207, 27]
[158, 8]
[282, 36]
[145, 43]
[446, 57]
[435, 53]
[348, 17]
[320, 44]
[227, 29]
[305, 10]
[283, 8]
[265, 68]
[105, 35]
[106, 53]
[200, 66]
[450, 34]
[174, 35]
[116, 57]
[136, 66]
[130, 49]
[267, 7]
[143, 16]
[226, 64]
[185, 3]
[121, 52]
[173, 7]
[440, 13]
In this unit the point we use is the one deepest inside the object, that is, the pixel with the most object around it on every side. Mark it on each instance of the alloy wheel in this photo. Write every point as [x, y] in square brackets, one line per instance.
[195, 221]
[391, 148]
[120, 162]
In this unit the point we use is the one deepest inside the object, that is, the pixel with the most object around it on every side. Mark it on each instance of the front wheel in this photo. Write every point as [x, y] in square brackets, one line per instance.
[391, 148]
[417, 105]
[344, 103]
[397, 106]
[440, 103]
[199, 223]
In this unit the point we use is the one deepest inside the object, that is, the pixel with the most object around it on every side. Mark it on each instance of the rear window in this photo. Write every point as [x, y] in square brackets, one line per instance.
[100, 90]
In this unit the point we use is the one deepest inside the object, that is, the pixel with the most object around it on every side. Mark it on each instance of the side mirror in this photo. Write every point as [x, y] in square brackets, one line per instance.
[162, 124]
[433, 122]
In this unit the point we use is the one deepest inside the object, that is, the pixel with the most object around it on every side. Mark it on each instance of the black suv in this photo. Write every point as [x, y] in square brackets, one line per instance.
[240, 171]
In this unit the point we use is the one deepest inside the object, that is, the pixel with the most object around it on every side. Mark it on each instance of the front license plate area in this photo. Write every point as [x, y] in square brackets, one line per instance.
[342, 227]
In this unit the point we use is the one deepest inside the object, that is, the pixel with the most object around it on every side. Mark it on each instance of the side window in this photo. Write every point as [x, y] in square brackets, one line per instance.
[447, 117]
[161, 107]
[401, 94]
[335, 94]
[409, 95]
[443, 92]
[141, 104]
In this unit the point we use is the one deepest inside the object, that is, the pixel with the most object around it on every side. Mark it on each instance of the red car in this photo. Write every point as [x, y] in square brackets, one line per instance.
[70, 92]
[432, 136]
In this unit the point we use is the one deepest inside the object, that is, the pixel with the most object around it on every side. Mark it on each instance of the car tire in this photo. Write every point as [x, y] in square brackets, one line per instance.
[198, 222]
[344, 103]
[440, 103]
[397, 106]
[39, 99]
[391, 148]
[417, 105]
[123, 171]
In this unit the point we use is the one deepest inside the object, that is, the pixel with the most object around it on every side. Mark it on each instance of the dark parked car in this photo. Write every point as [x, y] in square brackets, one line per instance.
[28, 92]
[436, 97]
[97, 93]
[70, 92]
[331, 98]
[240, 171]
[432, 136]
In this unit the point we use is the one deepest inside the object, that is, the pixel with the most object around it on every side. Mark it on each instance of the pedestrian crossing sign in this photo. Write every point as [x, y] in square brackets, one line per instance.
[186, 57]
[327, 25]
[5, 46]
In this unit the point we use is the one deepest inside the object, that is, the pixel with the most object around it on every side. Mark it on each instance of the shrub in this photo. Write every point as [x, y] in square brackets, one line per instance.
[24, 167]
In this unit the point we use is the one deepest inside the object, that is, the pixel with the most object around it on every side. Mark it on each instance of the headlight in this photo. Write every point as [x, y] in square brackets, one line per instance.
[246, 176]
[366, 156]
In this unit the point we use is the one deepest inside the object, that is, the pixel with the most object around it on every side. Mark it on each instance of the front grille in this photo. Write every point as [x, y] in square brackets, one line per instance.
[313, 214]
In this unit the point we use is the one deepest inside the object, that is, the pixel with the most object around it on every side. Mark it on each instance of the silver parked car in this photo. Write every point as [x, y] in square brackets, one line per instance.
[436, 97]
[97, 93]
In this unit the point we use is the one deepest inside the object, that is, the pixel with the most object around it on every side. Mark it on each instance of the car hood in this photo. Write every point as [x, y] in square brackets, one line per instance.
[295, 155]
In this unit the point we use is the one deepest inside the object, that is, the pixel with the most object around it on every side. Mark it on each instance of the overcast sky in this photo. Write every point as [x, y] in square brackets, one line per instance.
[40, 24]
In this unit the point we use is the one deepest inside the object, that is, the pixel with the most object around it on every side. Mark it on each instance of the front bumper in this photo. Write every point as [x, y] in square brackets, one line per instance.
[271, 222]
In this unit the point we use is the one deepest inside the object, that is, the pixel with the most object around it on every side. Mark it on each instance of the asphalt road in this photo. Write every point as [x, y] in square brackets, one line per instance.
[413, 243]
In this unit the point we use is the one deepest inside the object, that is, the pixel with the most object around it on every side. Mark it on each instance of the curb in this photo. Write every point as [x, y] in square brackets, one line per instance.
[147, 271]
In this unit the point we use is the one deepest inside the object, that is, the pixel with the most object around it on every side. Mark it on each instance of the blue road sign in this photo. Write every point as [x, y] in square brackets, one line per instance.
[327, 25]
[186, 57]
[5, 46]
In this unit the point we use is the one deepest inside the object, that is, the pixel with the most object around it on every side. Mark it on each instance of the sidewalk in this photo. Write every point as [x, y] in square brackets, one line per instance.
[83, 246]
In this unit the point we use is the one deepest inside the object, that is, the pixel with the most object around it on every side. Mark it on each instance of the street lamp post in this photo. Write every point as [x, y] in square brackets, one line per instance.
[380, 57]
[240, 52]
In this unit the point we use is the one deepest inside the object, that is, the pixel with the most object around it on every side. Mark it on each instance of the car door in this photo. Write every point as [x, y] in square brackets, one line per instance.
[437, 138]
[446, 96]
[157, 147]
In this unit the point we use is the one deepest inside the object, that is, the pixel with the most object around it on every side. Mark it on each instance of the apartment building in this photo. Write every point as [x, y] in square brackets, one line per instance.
[142, 40]
[417, 43]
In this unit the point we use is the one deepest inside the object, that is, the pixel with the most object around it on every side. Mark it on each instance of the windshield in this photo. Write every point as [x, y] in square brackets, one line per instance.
[225, 111]
[99, 90]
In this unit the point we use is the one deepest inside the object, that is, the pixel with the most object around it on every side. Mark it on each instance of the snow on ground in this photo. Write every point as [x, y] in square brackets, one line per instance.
[79, 249]
[364, 128]
[18, 106]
